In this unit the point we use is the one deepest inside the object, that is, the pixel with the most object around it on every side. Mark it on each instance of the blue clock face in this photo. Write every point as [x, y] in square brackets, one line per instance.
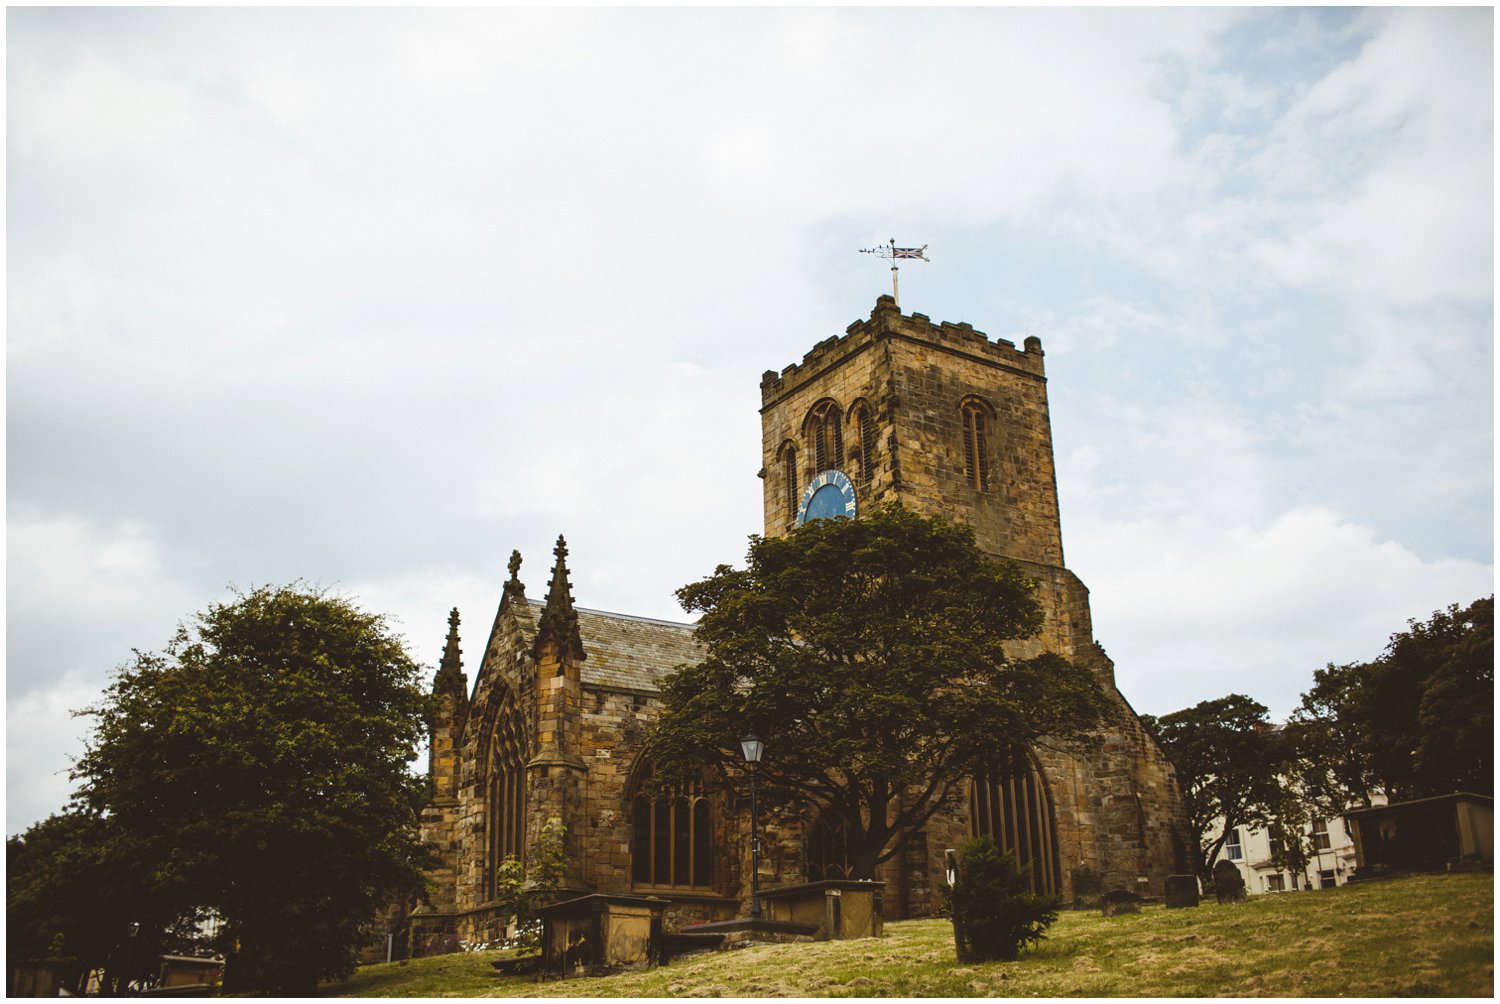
[830, 494]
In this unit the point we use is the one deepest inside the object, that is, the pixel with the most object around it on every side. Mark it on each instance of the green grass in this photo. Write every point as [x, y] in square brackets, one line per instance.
[1423, 936]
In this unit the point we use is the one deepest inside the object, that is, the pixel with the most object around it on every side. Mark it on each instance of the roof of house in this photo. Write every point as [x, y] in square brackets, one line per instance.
[631, 652]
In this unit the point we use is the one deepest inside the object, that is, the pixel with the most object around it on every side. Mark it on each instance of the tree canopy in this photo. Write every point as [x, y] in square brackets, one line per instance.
[257, 769]
[1229, 764]
[873, 657]
[1417, 721]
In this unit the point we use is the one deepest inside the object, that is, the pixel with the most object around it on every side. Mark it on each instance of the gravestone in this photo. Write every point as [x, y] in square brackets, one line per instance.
[1229, 885]
[1086, 887]
[1182, 890]
[1118, 901]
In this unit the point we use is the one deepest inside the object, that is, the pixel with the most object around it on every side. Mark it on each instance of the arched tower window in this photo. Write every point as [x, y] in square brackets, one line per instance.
[671, 836]
[862, 421]
[790, 488]
[1015, 808]
[828, 848]
[505, 789]
[824, 435]
[976, 416]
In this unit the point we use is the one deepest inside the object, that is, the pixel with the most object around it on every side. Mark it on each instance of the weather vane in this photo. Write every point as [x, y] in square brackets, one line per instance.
[893, 254]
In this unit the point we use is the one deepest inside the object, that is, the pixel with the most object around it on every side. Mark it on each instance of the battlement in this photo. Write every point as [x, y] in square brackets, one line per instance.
[887, 321]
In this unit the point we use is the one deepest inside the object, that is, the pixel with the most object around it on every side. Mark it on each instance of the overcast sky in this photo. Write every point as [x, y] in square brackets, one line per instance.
[368, 298]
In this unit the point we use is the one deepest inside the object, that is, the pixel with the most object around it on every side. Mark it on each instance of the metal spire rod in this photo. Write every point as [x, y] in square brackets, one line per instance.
[892, 253]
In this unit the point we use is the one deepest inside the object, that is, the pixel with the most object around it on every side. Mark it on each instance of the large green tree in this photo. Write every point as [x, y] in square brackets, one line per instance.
[1417, 721]
[876, 658]
[1230, 764]
[258, 769]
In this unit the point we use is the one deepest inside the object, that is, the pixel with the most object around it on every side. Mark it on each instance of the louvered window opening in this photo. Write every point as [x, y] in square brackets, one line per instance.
[866, 427]
[506, 796]
[828, 848]
[976, 448]
[827, 436]
[789, 475]
[672, 838]
[1016, 811]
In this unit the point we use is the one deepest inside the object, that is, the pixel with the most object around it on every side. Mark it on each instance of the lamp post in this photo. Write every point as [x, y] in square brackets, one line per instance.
[752, 747]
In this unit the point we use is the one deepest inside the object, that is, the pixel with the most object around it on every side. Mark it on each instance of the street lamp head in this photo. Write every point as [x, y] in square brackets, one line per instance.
[752, 747]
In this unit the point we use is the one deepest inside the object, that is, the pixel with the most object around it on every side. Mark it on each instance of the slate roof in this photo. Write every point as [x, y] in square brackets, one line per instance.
[634, 652]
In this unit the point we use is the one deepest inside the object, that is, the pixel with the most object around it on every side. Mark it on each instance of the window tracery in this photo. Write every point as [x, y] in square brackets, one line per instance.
[1015, 808]
[505, 790]
[671, 836]
[825, 435]
[828, 848]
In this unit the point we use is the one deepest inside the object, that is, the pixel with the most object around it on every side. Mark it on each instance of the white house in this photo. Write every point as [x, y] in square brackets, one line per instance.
[1330, 862]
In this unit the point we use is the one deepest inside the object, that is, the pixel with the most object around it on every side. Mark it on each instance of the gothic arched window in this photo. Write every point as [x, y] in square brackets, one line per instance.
[862, 419]
[828, 848]
[671, 836]
[1014, 807]
[505, 789]
[790, 485]
[824, 434]
[976, 416]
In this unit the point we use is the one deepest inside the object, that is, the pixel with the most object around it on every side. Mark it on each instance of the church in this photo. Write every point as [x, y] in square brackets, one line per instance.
[936, 417]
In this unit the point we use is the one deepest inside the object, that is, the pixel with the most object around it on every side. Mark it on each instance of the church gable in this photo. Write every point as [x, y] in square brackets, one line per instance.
[505, 668]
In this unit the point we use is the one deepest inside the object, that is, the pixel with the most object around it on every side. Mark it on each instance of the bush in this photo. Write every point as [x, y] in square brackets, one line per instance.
[995, 913]
[521, 891]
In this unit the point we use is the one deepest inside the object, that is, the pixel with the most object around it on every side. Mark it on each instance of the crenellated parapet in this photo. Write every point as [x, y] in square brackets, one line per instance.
[887, 322]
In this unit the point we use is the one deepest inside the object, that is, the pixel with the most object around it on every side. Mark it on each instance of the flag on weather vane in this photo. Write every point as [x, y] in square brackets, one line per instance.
[892, 253]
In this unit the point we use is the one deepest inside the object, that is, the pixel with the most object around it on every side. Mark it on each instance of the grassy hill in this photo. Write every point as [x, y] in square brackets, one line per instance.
[1423, 936]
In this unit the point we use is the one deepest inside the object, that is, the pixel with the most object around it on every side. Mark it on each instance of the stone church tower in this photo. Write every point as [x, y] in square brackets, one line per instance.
[936, 417]
[944, 421]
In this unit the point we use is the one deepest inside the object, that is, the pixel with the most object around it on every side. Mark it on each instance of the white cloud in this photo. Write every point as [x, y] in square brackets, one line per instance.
[370, 297]
[1192, 609]
[42, 740]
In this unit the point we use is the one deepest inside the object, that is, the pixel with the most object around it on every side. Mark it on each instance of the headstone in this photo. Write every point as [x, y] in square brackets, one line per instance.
[1086, 888]
[1118, 901]
[1182, 890]
[1229, 884]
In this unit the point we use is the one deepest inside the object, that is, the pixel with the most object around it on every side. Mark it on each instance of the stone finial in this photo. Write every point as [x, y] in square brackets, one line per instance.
[450, 678]
[513, 585]
[559, 621]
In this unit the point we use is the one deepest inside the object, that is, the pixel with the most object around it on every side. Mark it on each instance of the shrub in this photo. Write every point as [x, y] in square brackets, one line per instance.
[520, 891]
[995, 913]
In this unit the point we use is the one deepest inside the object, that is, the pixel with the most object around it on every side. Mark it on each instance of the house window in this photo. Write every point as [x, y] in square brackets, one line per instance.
[1234, 850]
[824, 434]
[1326, 879]
[828, 848]
[505, 790]
[1275, 883]
[1014, 807]
[1320, 834]
[976, 445]
[672, 831]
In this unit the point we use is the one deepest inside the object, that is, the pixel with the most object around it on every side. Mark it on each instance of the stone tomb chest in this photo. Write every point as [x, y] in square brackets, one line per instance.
[595, 934]
[838, 908]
